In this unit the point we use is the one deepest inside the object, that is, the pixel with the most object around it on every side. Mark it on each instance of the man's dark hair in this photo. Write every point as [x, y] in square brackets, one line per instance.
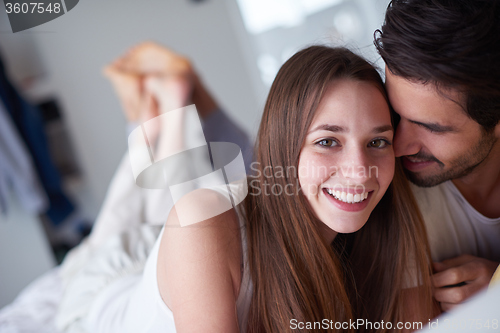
[451, 44]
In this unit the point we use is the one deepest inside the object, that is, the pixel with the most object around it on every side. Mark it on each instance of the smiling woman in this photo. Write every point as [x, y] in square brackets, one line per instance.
[345, 246]
[312, 256]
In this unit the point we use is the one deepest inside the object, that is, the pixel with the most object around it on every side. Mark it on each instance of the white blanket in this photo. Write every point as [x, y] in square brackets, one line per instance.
[34, 309]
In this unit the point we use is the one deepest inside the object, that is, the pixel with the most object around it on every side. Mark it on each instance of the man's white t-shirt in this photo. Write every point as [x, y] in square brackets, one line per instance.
[454, 227]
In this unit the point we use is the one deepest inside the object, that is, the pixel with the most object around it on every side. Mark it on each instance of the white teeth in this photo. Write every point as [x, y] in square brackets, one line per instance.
[347, 197]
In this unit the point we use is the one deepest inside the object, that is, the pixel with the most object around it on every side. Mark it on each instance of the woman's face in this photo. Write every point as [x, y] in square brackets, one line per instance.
[347, 161]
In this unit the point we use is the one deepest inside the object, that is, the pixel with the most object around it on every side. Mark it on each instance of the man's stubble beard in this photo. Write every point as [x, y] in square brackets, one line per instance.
[460, 167]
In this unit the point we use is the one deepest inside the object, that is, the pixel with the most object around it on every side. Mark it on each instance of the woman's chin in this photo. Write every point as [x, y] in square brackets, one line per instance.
[345, 227]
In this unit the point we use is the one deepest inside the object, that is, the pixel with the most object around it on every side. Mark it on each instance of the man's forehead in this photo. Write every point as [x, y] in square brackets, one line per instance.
[423, 101]
[415, 86]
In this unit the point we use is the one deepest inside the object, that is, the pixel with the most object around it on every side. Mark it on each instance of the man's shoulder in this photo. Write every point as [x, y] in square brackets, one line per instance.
[438, 205]
[429, 196]
[445, 221]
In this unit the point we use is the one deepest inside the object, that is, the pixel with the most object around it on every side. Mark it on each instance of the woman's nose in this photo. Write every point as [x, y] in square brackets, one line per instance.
[355, 163]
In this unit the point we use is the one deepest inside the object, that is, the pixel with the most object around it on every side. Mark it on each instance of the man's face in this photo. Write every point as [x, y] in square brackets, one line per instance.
[435, 137]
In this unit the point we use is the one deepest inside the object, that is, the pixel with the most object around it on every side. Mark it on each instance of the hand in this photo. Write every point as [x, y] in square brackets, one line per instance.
[459, 278]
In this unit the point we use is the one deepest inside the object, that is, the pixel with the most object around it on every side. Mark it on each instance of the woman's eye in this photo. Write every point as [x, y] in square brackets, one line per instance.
[327, 143]
[379, 143]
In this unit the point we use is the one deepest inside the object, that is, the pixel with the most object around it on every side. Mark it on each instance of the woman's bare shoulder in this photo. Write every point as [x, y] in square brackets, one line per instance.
[199, 262]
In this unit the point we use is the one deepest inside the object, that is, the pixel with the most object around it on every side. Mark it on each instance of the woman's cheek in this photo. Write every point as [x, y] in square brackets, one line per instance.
[315, 169]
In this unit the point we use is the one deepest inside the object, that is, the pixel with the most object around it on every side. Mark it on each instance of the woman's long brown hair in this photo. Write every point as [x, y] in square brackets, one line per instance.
[296, 274]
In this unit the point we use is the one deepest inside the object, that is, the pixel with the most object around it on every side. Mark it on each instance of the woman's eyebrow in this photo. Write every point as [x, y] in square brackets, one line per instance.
[341, 129]
[331, 128]
[384, 128]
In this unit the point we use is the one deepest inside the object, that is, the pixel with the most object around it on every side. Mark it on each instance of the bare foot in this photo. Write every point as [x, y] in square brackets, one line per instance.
[129, 73]
[128, 87]
[151, 58]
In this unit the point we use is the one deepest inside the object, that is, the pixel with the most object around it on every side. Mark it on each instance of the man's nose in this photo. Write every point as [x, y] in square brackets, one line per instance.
[406, 141]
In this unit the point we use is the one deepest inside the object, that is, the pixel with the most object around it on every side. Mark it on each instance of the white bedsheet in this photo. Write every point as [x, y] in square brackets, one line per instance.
[34, 309]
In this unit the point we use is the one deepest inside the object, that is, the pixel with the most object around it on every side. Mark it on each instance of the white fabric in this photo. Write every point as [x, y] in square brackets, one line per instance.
[114, 294]
[480, 313]
[127, 205]
[454, 227]
[34, 308]
[120, 259]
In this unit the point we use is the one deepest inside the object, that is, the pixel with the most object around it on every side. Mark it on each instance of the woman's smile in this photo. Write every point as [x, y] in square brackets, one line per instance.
[346, 201]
